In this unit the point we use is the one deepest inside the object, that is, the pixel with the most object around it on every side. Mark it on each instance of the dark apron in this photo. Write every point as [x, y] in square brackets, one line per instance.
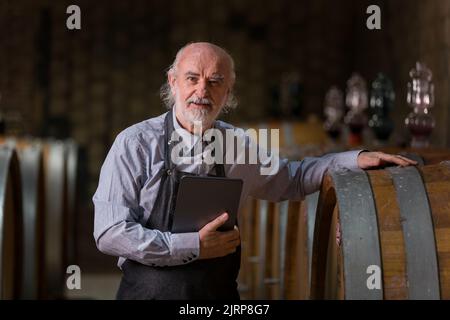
[200, 279]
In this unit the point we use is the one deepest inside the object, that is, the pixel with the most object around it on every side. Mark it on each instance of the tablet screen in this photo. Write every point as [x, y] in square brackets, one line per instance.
[202, 199]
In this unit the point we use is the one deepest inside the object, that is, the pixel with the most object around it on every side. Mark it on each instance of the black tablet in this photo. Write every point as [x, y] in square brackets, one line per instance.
[202, 199]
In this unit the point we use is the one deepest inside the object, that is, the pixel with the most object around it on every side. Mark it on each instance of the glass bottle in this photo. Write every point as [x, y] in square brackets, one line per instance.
[356, 100]
[334, 112]
[420, 97]
[382, 99]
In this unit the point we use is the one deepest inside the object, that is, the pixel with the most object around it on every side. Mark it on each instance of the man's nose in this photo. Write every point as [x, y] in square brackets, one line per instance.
[202, 89]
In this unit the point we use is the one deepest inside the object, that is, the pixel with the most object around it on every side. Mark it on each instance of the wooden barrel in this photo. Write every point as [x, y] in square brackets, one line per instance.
[259, 248]
[256, 234]
[10, 225]
[295, 139]
[273, 257]
[49, 179]
[299, 239]
[268, 235]
[303, 256]
[31, 165]
[61, 184]
[394, 227]
[33, 203]
[54, 154]
[71, 197]
[285, 243]
[245, 227]
[276, 250]
[288, 261]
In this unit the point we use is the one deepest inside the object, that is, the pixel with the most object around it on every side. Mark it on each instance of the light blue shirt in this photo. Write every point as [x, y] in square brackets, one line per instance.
[130, 179]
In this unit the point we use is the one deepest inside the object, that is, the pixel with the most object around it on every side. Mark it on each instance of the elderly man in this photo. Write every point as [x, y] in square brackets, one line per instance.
[138, 184]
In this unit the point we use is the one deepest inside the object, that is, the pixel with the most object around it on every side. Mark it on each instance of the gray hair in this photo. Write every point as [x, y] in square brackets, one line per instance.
[166, 93]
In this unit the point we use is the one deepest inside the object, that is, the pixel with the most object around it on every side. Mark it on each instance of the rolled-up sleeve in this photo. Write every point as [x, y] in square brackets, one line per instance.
[118, 226]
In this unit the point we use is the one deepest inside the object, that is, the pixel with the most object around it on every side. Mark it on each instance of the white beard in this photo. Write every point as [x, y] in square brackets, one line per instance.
[195, 116]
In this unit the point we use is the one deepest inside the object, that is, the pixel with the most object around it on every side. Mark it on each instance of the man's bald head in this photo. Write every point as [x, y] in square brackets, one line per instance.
[212, 51]
[201, 56]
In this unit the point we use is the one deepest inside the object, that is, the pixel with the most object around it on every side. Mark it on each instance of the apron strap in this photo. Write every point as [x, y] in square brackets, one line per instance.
[168, 143]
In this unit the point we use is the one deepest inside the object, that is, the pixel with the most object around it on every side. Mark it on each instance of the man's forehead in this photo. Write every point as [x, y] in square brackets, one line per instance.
[201, 60]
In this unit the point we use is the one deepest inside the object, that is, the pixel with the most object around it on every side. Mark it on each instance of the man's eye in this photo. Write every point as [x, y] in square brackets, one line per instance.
[214, 82]
[191, 79]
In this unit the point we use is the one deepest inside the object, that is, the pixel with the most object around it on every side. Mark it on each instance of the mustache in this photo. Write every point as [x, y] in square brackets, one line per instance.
[196, 100]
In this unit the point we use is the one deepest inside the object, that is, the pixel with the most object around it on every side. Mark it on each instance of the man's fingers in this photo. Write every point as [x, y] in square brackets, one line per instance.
[394, 159]
[224, 250]
[232, 244]
[411, 161]
[229, 235]
[397, 159]
[376, 159]
[401, 160]
[216, 223]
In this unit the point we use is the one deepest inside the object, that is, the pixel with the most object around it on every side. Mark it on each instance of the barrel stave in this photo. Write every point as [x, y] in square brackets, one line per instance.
[391, 236]
[11, 230]
[437, 185]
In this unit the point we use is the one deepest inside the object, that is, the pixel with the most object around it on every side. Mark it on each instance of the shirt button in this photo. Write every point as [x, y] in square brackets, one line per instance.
[184, 261]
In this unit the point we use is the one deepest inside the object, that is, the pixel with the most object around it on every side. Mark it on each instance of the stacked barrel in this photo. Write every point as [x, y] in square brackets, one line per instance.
[38, 182]
[274, 234]
[329, 245]
[10, 224]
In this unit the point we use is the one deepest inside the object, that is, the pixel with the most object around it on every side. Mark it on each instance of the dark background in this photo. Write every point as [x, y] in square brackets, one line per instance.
[90, 84]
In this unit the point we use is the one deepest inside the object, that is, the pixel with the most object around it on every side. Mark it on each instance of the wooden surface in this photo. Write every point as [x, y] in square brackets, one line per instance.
[10, 225]
[391, 236]
[273, 266]
[296, 263]
[245, 226]
[327, 256]
[56, 192]
[49, 199]
[31, 165]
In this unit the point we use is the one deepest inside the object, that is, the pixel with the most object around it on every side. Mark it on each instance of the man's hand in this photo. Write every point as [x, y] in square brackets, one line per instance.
[213, 243]
[368, 160]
